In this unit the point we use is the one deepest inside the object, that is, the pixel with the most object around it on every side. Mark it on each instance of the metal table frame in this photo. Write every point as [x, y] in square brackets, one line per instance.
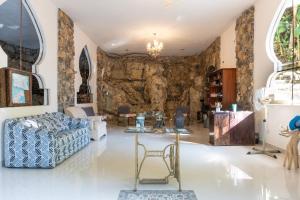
[171, 161]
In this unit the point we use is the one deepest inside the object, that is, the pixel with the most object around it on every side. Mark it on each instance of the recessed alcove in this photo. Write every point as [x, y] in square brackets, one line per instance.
[84, 95]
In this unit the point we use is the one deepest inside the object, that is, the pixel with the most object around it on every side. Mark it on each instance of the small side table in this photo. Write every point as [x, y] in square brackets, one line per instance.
[170, 155]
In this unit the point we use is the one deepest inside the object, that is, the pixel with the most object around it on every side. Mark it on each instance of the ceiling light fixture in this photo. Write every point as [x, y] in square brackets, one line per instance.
[155, 47]
[170, 2]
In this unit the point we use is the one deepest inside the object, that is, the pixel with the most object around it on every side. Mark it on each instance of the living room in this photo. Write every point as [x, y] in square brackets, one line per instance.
[100, 99]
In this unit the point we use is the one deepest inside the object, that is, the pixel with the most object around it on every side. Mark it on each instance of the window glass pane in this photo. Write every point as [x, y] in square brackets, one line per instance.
[30, 42]
[285, 86]
[296, 87]
[11, 32]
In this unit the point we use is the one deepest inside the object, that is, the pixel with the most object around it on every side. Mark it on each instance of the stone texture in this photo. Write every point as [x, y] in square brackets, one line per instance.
[194, 96]
[209, 57]
[164, 83]
[156, 88]
[66, 52]
[147, 84]
[245, 58]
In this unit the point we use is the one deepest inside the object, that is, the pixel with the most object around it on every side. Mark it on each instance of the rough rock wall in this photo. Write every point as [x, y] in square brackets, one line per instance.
[212, 55]
[245, 58]
[66, 52]
[209, 57]
[147, 84]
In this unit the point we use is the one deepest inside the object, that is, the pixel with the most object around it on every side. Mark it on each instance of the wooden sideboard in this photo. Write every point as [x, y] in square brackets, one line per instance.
[232, 128]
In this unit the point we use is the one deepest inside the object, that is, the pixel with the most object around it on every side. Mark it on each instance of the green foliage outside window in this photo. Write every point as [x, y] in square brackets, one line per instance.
[284, 44]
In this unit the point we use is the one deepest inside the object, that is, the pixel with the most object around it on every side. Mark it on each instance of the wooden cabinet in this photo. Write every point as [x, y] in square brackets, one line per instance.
[233, 128]
[222, 88]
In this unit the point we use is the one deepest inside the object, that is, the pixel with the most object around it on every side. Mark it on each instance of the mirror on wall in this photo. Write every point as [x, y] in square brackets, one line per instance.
[21, 48]
[84, 95]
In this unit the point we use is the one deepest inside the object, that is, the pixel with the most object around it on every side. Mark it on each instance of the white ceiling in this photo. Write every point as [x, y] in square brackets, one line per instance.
[117, 25]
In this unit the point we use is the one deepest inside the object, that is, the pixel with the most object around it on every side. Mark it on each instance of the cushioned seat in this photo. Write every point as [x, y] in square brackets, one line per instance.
[98, 123]
[68, 142]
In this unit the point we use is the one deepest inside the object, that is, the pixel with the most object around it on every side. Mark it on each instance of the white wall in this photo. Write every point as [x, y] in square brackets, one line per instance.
[82, 40]
[3, 58]
[280, 115]
[228, 43]
[264, 14]
[46, 15]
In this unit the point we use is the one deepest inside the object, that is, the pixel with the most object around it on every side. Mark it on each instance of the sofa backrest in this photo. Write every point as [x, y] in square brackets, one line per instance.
[94, 105]
[55, 122]
[75, 111]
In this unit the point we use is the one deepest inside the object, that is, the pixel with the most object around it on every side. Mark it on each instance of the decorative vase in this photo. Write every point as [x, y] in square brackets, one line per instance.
[140, 121]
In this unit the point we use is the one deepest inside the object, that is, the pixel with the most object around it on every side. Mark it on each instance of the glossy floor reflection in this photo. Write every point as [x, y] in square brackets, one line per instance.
[101, 170]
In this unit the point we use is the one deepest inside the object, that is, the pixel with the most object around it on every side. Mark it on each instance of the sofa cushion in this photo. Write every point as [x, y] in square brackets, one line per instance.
[75, 112]
[52, 122]
[66, 137]
[69, 142]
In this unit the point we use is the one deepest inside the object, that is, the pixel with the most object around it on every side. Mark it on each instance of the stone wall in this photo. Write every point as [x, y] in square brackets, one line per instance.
[66, 52]
[147, 84]
[212, 55]
[245, 58]
[164, 83]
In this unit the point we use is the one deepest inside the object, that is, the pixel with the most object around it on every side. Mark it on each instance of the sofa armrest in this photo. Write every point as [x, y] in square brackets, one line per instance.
[104, 117]
[96, 118]
[27, 146]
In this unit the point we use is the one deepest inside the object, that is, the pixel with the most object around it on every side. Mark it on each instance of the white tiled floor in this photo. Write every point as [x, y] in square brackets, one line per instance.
[101, 170]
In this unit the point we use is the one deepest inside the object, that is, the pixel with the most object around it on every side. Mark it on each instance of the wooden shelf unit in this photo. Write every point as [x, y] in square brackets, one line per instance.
[222, 88]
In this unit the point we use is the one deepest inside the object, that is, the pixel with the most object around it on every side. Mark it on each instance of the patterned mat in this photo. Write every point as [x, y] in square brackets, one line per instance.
[157, 195]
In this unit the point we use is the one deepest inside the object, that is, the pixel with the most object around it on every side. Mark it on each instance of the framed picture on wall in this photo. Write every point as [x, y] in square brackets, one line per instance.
[19, 87]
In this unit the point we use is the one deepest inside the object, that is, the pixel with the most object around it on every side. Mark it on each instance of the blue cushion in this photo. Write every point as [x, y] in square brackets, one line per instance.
[89, 111]
[295, 123]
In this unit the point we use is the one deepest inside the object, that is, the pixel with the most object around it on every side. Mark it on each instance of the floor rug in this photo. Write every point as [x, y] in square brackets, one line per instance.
[157, 195]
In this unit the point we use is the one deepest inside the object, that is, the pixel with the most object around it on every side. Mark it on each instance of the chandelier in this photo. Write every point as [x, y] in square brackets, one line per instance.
[154, 48]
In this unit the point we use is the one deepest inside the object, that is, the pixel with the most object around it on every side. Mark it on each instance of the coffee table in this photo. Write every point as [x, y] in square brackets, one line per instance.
[170, 155]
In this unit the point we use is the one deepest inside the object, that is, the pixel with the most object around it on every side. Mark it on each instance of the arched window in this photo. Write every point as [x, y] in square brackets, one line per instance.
[284, 51]
[84, 95]
[22, 48]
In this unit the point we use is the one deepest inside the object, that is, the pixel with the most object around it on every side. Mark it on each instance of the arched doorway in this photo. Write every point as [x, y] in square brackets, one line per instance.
[84, 95]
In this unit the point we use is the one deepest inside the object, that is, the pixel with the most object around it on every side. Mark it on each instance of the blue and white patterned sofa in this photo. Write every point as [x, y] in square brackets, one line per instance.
[43, 141]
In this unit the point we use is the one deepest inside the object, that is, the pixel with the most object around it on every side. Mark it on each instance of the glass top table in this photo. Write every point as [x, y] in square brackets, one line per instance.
[149, 129]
